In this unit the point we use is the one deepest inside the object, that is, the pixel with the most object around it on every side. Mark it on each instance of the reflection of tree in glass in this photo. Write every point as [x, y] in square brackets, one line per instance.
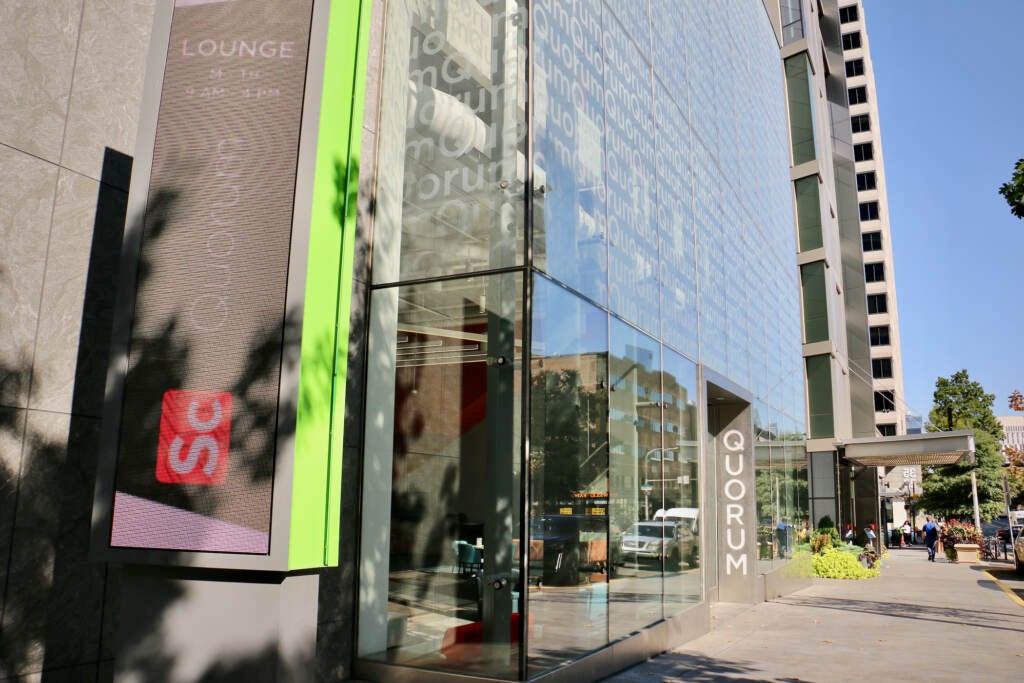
[780, 486]
[564, 460]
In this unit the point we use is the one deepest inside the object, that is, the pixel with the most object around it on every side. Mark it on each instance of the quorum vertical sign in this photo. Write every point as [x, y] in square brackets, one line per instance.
[205, 404]
[737, 540]
[734, 493]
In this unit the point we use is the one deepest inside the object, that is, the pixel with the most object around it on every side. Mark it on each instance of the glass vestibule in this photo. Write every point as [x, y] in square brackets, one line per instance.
[613, 480]
[457, 574]
[568, 478]
[612, 427]
[653, 481]
[440, 584]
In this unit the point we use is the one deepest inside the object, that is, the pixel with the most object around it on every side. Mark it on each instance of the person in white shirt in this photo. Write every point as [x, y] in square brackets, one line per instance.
[908, 531]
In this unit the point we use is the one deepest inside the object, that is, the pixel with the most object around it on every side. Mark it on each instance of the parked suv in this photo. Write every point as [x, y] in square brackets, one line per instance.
[660, 539]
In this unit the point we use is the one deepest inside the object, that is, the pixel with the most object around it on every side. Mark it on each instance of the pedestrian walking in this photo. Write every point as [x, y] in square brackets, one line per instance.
[907, 531]
[931, 537]
[782, 535]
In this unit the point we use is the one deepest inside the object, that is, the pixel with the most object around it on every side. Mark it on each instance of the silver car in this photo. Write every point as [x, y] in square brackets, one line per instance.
[659, 539]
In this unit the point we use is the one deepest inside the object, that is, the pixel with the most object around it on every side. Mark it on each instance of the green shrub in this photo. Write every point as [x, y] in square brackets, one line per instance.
[833, 535]
[820, 542]
[833, 563]
[827, 527]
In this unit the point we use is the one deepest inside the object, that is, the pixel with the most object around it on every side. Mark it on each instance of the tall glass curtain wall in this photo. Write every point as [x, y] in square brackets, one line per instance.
[553, 354]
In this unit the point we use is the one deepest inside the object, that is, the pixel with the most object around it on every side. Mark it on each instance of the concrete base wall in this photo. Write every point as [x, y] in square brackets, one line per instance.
[793, 577]
[223, 626]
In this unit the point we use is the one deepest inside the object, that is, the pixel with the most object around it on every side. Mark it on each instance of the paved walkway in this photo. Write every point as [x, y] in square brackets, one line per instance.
[919, 621]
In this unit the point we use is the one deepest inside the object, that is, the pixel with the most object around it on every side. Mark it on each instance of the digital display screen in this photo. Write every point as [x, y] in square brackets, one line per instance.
[195, 464]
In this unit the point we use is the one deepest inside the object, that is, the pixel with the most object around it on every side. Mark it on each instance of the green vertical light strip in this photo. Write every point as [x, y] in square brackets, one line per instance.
[316, 491]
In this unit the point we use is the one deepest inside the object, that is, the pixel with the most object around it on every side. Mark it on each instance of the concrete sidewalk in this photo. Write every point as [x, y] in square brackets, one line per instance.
[919, 621]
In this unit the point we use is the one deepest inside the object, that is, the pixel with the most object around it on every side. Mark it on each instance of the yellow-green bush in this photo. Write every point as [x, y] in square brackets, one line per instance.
[832, 563]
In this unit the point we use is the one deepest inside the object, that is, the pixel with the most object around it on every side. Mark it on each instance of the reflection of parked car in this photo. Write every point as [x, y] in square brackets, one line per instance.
[1018, 554]
[571, 544]
[672, 541]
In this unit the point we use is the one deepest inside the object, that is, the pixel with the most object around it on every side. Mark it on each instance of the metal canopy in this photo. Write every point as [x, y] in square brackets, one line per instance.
[935, 448]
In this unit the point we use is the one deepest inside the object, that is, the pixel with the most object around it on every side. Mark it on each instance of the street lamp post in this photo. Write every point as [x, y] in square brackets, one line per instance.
[1006, 502]
[646, 488]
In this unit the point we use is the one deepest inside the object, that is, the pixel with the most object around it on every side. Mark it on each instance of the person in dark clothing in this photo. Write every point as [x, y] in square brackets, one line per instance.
[931, 537]
[782, 536]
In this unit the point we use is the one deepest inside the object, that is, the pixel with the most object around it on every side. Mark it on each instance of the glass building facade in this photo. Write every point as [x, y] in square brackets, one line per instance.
[583, 227]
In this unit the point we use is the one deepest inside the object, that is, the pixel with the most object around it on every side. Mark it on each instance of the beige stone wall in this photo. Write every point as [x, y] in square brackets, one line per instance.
[71, 74]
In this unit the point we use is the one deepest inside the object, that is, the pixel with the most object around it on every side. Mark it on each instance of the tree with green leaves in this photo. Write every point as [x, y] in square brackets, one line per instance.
[961, 403]
[1013, 191]
[947, 492]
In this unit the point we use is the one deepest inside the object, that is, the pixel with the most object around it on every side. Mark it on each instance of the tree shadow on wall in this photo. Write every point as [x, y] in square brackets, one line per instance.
[61, 609]
[53, 596]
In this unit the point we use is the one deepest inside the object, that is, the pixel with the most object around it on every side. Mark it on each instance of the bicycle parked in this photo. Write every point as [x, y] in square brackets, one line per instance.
[990, 548]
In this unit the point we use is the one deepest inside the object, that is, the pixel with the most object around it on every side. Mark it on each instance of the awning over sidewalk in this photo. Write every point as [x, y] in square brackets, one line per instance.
[935, 448]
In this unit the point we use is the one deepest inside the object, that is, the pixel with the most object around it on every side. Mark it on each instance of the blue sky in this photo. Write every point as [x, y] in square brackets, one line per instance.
[951, 104]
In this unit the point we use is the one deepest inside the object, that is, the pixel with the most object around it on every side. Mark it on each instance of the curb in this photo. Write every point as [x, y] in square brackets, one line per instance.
[1016, 598]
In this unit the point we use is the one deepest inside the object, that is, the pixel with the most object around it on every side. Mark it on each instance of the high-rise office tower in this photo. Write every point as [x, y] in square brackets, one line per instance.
[886, 370]
[857, 447]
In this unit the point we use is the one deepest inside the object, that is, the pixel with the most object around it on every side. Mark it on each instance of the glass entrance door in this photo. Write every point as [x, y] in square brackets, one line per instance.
[439, 576]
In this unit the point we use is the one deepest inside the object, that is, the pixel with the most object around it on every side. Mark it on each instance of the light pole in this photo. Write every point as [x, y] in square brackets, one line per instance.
[1006, 502]
[974, 476]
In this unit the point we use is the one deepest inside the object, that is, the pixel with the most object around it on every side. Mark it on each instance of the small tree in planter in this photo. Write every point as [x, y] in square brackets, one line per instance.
[962, 533]
[828, 528]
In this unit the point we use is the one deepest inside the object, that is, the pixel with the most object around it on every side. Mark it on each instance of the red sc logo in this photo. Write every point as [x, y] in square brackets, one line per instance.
[195, 433]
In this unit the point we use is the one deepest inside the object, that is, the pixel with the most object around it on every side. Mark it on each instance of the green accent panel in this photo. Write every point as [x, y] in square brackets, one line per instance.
[316, 492]
[819, 396]
[801, 107]
[812, 282]
[808, 213]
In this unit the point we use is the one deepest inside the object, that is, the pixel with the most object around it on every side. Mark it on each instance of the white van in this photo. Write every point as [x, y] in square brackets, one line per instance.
[689, 515]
